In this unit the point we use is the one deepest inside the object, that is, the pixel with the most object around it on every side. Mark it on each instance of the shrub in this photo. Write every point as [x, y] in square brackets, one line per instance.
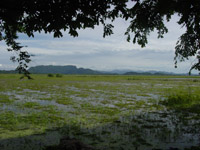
[50, 75]
[58, 75]
[195, 80]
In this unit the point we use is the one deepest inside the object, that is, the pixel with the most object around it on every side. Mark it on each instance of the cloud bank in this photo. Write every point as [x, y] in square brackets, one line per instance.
[91, 50]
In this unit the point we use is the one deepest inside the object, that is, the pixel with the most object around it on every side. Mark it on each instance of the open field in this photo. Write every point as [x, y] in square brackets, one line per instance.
[105, 112]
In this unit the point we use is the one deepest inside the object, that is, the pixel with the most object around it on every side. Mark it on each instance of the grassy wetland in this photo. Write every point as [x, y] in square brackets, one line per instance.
[105, 112]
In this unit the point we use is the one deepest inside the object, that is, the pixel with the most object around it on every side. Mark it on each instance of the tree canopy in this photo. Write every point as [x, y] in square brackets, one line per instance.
[56, 16]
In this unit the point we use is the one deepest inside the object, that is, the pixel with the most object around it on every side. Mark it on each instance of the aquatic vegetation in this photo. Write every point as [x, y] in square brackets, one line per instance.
[5, 99]
[183, 101]
[107, 112]
[64, 100]
[31, 105]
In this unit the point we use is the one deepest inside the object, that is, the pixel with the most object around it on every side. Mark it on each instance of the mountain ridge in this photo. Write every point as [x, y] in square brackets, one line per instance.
[68, 69]
[72, 69]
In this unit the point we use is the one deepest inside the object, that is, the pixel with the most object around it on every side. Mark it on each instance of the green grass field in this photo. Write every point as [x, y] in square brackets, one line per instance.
[105, 112]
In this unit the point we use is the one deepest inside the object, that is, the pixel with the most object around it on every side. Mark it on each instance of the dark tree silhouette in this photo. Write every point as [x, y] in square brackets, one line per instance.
[55, 16]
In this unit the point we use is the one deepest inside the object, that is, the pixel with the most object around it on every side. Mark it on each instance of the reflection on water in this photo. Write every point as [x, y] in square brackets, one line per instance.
[153, 130]
[34, 142]
[160, 130]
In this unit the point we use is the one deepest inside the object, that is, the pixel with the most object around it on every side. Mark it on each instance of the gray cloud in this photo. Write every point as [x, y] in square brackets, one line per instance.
[108, 60]
[91, 50]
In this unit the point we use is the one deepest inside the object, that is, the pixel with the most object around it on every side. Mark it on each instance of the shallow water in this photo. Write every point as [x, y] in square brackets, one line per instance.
[139, 125]
[153, 130]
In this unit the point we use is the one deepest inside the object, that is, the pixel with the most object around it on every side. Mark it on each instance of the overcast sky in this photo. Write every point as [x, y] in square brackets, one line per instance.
[91, 50]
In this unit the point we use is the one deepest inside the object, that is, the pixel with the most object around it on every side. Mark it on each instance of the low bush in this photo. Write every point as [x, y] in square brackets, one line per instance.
[58, 75]
[50, 75]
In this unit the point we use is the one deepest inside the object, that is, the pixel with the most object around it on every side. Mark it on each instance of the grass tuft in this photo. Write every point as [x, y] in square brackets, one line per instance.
[5, 99]
[184, 102]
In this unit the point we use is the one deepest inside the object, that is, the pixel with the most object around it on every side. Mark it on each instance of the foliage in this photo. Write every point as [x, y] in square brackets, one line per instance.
[145, 16]
[58, 75]
[50, 75]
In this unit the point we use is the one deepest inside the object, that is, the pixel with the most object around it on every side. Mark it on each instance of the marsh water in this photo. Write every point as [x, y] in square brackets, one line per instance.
[156, 130]
[124, 114]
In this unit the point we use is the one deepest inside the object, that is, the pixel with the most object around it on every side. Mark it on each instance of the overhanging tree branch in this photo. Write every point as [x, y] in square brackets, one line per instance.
[53, 16]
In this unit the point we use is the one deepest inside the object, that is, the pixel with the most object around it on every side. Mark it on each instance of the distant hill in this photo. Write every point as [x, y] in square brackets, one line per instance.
[61, 70]
[118, 71]
[8, 72]
[70, 69]
[149, 73]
